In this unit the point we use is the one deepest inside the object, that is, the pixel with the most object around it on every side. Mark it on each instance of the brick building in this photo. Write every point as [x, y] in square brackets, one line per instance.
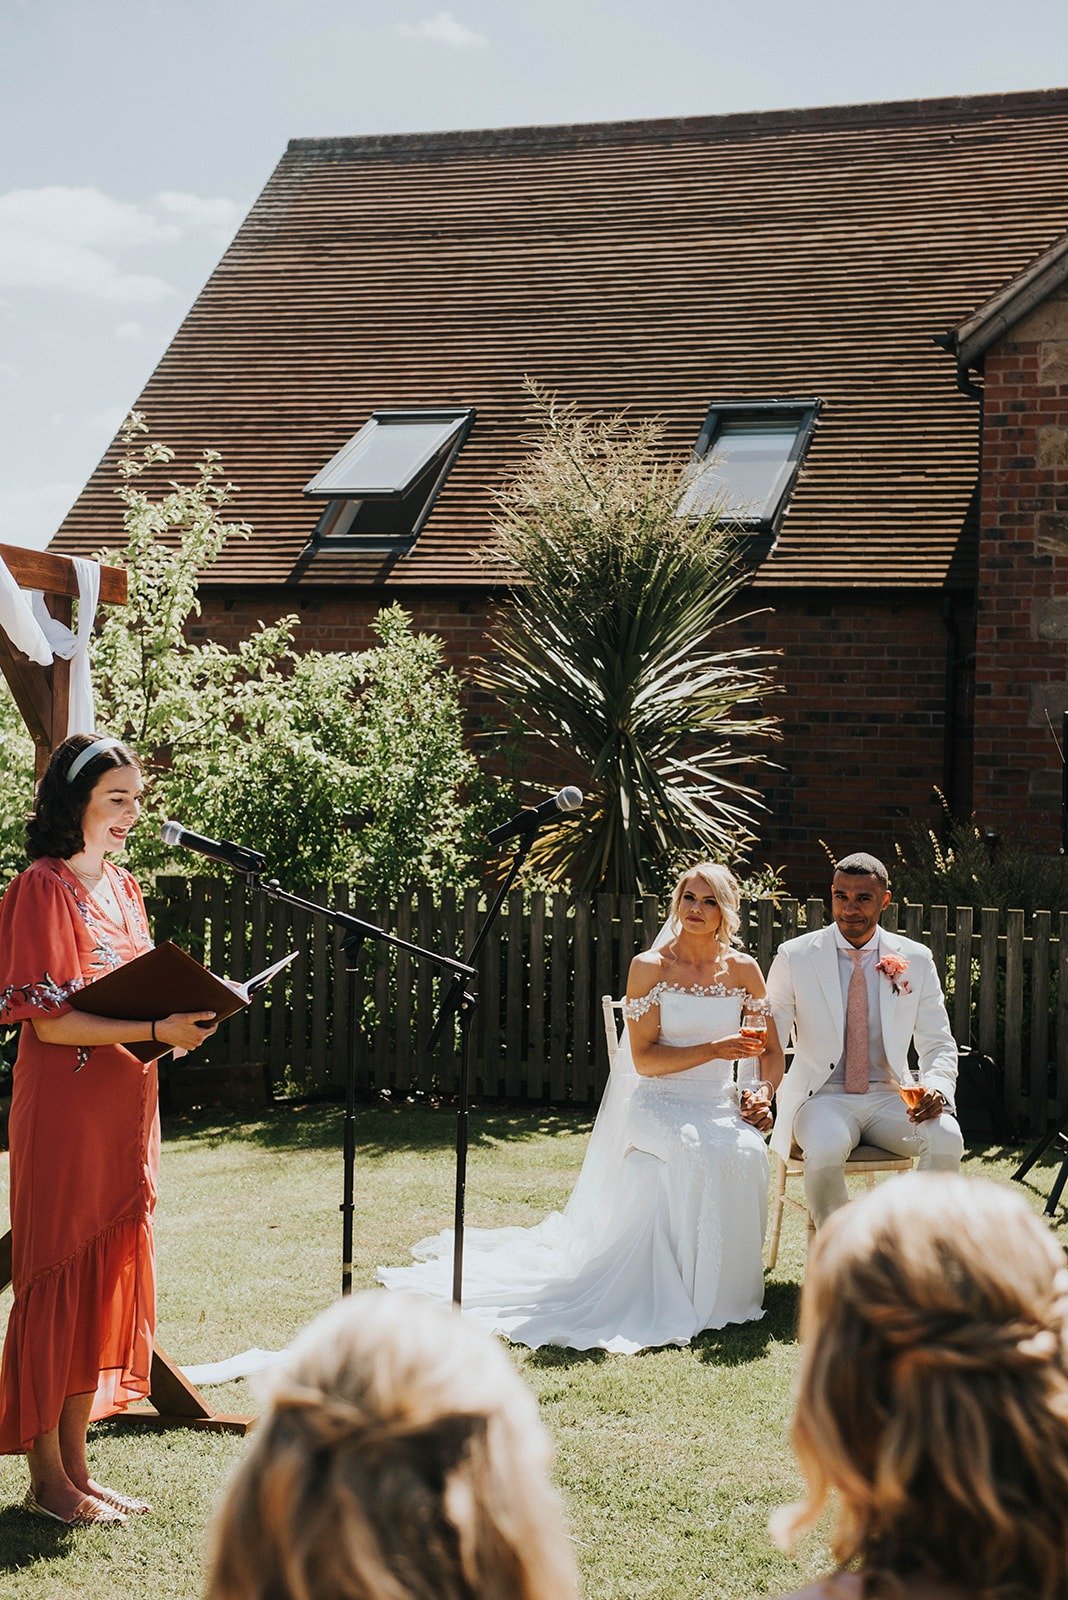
[795, 283]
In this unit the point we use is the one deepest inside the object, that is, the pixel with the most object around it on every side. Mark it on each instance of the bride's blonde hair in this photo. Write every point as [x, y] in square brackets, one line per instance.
[933, 1391]
[725, 886]
[401, 1458]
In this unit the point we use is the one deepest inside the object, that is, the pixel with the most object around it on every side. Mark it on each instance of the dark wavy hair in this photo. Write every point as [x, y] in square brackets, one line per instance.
[55, 827]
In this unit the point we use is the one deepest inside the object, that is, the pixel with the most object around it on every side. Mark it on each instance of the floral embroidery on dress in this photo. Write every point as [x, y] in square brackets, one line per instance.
[633, 1009]
[46, 996]
[105, 956]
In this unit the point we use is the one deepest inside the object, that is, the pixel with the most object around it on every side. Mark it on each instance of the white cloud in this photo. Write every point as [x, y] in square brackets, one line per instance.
[29, 517]
[219, 216]
[443, 28]
[61, 238]
[74, 240]
[8, 369]
[130, 330]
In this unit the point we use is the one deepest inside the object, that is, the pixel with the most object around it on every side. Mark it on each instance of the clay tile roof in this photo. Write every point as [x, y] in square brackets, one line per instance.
[1010, 305]
[646, 265]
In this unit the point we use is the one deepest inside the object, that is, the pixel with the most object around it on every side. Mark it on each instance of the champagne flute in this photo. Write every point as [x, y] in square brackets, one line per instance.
[754, 1028]
[912, 1092]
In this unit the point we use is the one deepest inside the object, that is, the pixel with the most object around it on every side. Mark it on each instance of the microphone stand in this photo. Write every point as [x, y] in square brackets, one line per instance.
[458, 1003]
[356, 931]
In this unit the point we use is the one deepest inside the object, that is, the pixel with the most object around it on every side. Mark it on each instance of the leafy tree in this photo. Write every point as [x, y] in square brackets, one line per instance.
[261, 743]
[605, 654]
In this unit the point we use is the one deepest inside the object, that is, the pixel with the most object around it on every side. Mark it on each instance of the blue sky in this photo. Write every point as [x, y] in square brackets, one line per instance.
[134, 135]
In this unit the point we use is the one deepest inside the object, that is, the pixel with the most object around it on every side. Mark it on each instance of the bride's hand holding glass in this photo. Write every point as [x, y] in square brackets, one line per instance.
[737, 1047]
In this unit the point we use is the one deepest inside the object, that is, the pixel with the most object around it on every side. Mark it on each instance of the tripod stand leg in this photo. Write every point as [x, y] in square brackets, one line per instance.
[467, 1005]
[1037, 1151]
[1058, 1187]
[351, 945]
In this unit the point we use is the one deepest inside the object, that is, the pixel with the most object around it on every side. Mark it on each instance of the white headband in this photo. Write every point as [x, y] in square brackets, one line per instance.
[83, 759]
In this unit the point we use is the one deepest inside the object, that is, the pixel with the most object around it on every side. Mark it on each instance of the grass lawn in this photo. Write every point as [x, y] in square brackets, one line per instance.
[669, 1461]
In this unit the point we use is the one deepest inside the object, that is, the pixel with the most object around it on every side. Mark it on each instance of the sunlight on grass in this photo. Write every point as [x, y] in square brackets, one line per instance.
[669, 1461]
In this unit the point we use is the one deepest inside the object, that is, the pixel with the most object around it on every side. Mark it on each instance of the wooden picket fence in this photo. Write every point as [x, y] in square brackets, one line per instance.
[538, 1033]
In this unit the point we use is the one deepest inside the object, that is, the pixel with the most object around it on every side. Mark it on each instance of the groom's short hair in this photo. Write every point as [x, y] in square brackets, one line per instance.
[862, 865]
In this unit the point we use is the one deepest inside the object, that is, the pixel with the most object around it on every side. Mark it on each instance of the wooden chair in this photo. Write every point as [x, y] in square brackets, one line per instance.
[613, 1030]
[868, 1159]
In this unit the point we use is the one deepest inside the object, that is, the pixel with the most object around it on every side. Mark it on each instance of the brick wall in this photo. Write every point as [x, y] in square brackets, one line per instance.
[1021, 675]
[863, 705]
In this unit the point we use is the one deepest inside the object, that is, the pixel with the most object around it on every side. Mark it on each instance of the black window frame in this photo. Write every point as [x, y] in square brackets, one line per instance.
[805, 410]
[343, 507]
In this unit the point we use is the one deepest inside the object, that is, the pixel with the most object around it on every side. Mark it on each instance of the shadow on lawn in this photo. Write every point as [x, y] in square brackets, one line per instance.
[736, 1345]
[25, 1540]
[381, 1130]
[984, 1160]
[733, 1346]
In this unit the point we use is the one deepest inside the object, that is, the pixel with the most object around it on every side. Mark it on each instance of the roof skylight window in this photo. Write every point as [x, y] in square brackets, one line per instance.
[746, 461]
[381, 486]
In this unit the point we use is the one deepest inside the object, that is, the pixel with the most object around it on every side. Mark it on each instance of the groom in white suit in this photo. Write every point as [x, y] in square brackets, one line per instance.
[855, 997]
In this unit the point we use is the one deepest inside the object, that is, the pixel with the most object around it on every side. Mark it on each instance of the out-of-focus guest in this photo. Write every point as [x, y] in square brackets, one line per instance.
[933, 1397]
[401, 1458]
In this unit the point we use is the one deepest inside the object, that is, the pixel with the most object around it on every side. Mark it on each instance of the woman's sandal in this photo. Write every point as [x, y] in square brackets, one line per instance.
[126, 1503]
[90, 1511]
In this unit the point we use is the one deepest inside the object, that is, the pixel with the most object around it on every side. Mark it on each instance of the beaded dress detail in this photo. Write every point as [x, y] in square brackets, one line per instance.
[663, 1234]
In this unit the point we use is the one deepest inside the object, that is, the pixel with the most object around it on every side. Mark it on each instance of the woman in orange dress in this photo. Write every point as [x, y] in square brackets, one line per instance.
[84, 1134]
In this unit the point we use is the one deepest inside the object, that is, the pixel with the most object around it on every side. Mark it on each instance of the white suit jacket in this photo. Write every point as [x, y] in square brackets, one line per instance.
[805, 992]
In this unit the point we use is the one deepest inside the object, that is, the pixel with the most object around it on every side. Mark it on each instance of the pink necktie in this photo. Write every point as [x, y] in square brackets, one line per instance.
[856, 1031]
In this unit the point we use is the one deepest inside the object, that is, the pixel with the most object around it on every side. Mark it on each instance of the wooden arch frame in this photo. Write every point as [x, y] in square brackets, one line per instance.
[42, 695]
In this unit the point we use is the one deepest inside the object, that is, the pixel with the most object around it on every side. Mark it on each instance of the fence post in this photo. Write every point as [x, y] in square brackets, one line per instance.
[515, 1072]
[340, 1020]
[939, 934]
[538, 1054]
[1039, 1021]
[559, 964]
[988, 981]
[962, 976]
[583, 1078]
[1062, 1014]
[1014, 934]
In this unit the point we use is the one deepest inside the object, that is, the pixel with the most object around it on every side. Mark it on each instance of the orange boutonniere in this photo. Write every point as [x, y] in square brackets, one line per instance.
[892, 967]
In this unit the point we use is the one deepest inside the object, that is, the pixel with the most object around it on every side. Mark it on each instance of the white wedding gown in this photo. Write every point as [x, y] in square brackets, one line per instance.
[663, 1234]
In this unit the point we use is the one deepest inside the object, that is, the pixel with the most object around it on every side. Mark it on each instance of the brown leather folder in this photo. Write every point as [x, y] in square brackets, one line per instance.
[163, 980]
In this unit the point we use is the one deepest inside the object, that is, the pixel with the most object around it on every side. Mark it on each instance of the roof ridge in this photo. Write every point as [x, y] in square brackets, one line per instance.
[849, 115]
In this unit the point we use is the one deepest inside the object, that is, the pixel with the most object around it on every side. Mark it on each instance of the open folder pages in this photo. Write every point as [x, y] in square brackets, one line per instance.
[164, 980]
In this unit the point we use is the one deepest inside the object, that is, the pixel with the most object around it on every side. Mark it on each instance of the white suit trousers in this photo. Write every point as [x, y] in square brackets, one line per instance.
[829, 1125]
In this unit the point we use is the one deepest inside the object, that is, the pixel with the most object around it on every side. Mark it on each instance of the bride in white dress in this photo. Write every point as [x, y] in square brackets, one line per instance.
[663, 1234]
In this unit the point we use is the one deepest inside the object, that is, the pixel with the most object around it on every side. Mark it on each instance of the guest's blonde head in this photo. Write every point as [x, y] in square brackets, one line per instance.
[724, 886]
[933, 1394]
[401, 1458]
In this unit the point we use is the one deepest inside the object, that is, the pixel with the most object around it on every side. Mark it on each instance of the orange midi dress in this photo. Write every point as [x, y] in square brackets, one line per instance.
[84, 1141]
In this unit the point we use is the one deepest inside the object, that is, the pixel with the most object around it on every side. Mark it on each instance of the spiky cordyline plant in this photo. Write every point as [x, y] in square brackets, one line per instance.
[604, 654]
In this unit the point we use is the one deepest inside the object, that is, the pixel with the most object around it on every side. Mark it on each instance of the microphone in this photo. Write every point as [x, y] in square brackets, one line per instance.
[230, 855]
[531, 819]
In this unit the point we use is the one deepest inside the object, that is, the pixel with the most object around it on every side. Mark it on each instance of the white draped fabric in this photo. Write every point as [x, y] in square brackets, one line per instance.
[27, 622]
[74, 646]
[663, 1234]
[18, 621]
